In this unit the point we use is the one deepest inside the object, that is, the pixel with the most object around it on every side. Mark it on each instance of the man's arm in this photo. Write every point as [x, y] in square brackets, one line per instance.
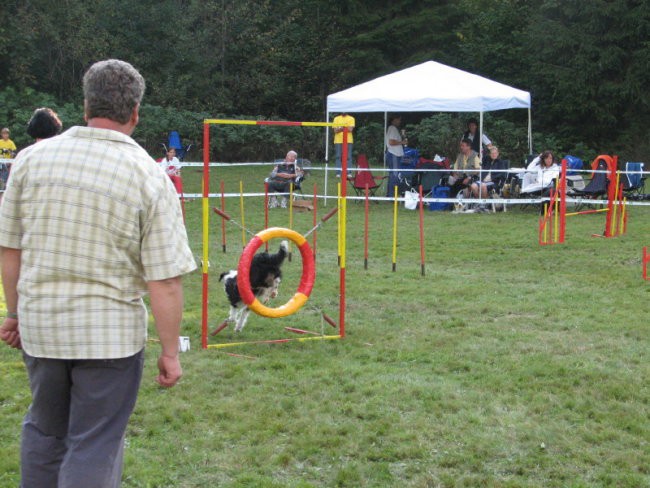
[10, 262]
[167, 308]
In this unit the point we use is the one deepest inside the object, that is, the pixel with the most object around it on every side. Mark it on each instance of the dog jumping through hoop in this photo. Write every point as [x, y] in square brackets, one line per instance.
[265, 278]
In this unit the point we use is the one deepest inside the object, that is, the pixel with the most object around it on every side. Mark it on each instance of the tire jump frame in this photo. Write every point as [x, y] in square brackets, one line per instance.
[300, 297]
[552, 223]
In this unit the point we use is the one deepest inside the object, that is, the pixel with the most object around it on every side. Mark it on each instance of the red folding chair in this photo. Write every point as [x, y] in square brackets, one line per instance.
[363, 177]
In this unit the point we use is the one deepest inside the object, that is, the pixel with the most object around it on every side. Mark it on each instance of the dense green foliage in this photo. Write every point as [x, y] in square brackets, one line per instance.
[584, 62]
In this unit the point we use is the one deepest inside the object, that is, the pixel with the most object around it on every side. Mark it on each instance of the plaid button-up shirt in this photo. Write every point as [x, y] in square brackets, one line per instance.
[95, 218]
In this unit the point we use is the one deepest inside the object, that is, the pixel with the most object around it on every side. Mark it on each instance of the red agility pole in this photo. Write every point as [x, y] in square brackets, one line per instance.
[314, 219]
[365, 228]
[421, 231]
[646, 258]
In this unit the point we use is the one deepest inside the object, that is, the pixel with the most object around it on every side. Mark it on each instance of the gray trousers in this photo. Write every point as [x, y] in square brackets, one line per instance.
[73, 432]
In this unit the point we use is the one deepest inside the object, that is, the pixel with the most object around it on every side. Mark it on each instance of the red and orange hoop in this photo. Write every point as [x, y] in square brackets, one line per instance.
[306, 281]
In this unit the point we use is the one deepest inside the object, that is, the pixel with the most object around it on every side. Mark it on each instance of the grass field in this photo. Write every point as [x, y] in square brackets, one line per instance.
[507, 365]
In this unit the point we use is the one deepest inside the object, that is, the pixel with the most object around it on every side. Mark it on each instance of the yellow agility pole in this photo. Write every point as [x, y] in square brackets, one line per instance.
[339, 222]
[241, 207]
[584, 212]
[274, 341]
[395, 229]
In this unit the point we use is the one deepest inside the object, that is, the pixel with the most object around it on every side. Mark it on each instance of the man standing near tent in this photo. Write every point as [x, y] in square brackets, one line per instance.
[347, 121]
[394, 152]
[89, 225]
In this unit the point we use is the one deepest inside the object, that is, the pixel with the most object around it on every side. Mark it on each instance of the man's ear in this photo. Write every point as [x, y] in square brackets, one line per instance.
[135, 115]
[85, 111]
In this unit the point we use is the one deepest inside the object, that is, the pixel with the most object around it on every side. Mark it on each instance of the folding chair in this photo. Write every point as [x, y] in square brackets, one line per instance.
[175, 142]
[574, 178]
[634, 180]
[428, 179]
[363, 177]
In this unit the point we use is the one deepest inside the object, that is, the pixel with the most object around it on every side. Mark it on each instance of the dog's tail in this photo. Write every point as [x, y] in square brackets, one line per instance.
[275, 259]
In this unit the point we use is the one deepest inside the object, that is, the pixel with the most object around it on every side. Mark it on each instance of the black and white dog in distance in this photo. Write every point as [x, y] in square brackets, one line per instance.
[265, 282]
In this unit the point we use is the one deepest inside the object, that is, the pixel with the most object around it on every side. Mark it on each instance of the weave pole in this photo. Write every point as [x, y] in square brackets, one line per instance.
[314, 219]
[205, 263]
[241, 210]
[421, 231]
[266, 211]
[395, 230]
[223, 222]
[365, 227]
[645, 260]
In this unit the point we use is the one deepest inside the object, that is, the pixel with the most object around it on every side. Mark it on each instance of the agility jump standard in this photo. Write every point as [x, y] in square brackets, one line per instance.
[205, 262]
[552, 224]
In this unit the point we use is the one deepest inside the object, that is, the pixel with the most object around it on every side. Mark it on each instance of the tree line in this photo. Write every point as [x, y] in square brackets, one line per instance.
[584, 62]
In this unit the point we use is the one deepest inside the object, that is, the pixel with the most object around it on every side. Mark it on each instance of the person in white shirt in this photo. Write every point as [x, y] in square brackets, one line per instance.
[540, 173]
[395, 143]
[172, 166]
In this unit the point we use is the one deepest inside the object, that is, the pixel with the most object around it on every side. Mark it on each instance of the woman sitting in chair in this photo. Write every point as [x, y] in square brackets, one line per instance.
[540, 174]
[172, 166]
[282, 176]
[493, 173]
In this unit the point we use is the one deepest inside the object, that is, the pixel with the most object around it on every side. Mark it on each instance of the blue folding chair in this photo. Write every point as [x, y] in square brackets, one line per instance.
[175, 142]
[634, 181]
[575, 181]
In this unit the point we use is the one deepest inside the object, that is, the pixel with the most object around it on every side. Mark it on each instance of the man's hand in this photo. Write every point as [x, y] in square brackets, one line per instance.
[170, 370]
[10, 334]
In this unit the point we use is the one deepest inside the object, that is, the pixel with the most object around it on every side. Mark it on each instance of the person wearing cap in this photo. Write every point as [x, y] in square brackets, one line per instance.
[346, 121]
[472, 135]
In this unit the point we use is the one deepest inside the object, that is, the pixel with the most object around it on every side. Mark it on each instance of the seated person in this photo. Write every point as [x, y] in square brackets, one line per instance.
[44, 124]
[493, 173]
[282, 176]
[172, 166]
[540, 174]
[465, 171]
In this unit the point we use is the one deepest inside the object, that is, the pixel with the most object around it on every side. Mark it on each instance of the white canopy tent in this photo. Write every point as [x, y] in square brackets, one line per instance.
[429, 87]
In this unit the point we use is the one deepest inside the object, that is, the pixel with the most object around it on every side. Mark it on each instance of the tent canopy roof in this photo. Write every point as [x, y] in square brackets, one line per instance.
[428, 87]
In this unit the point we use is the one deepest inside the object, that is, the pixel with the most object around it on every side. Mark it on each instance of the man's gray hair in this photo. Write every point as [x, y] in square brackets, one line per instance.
[112, 89]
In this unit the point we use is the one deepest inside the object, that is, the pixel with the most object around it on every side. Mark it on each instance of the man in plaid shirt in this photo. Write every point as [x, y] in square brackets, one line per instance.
[89, 224]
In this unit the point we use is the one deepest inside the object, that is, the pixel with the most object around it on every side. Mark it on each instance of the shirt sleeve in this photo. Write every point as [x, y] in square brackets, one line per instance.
[165, 251]
[10, 222]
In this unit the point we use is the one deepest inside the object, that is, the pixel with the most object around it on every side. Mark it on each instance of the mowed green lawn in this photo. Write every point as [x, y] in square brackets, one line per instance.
[507, 365]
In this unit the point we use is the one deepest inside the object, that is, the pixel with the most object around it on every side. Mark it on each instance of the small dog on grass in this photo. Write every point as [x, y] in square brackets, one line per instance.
[266, 276]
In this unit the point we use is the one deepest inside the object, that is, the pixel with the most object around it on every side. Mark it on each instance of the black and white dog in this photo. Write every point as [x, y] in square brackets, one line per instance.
[265, 282]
